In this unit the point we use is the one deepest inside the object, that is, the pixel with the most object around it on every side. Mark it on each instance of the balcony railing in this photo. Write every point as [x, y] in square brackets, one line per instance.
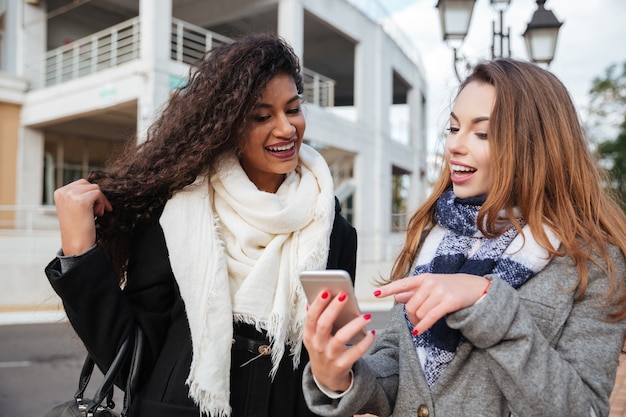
[190, 42]
[102, 50]
[120, 44]
[318, 89]
[18, 220]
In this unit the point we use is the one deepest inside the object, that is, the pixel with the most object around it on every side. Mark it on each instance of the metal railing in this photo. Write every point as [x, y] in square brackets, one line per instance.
[26, 219]
[342, 170]
[120, 44]
[318, 89]
[108, 48]
[190, 42]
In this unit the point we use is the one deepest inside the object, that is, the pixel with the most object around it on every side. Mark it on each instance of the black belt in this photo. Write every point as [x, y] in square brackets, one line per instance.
[257, 347]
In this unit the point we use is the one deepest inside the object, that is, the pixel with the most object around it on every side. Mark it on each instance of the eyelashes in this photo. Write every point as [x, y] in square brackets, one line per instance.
[260, 118]
[480, 135]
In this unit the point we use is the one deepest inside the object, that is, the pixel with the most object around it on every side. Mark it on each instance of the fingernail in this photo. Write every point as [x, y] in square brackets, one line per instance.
[373, 331]
[342, 296]
[377, 293]
[415, 332]
[367, 316]
[325, 295]
[307, 307]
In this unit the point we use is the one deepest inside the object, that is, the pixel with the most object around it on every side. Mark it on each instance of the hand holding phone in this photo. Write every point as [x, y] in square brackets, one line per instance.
[334, 281]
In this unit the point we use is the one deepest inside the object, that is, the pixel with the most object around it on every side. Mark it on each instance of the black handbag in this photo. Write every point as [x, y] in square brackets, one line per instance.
[96, 406]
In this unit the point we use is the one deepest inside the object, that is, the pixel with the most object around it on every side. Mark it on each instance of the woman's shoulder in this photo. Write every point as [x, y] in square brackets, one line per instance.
[562, 273]
[340, 223]
[618, 258]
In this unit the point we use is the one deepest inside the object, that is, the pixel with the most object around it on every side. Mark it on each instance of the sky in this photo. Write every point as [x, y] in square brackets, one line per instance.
[592, 37]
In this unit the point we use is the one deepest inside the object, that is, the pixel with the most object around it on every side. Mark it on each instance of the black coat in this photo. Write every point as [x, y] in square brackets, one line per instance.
[102, 315]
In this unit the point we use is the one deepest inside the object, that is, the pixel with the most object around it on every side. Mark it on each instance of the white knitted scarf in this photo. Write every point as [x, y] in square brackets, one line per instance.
[236, 253]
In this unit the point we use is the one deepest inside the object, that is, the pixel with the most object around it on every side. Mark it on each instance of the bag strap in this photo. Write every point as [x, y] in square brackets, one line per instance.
[133, 372]
[85, 377]
[105, 390]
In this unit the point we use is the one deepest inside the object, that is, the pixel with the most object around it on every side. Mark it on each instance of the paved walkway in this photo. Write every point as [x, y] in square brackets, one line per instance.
[618, 397]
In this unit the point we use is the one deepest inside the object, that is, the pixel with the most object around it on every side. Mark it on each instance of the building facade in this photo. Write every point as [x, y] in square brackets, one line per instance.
[79, 78]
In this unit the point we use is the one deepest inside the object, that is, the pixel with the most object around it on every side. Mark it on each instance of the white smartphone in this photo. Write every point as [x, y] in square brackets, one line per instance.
[334, 281]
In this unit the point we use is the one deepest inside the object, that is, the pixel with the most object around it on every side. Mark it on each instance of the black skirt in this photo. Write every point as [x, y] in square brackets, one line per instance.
[252, 392]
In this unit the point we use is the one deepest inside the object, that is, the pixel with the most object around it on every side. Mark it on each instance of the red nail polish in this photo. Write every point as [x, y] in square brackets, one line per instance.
[325, 295]
[373, 332]
[415, 332]
[367, 316]
[377, 293]
[342, 296]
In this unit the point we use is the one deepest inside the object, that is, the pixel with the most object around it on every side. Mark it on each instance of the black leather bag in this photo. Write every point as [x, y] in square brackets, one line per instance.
[96, 406]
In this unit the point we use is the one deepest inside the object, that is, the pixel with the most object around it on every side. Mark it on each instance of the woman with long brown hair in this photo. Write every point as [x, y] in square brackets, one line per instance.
[200, 235]
[510, 289]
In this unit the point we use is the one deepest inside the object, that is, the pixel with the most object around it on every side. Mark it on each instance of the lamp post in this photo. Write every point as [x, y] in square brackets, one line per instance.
[455, 17]
[540, 35]
[500, 6]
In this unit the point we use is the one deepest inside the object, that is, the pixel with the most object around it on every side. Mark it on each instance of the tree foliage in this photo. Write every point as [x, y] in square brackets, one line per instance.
[608, 106]
[608, 93]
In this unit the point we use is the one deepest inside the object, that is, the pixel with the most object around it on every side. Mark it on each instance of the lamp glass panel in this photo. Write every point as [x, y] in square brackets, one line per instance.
[541, 44]
[500, 5]
[457, 19]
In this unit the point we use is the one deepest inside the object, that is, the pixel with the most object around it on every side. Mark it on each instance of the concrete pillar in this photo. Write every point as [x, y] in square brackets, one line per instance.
[374, 80]
[382, 162]
[32, 36]
[30, 166]
[8, 60]
[366, 95]
[417, 116]
[155, 24]
[291, 23]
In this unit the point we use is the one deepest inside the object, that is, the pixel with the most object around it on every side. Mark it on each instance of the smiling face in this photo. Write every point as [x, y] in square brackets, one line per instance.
[467, 145]
[277, 128]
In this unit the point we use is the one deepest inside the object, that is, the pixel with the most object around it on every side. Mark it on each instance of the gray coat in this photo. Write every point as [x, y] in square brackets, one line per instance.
[534, 351]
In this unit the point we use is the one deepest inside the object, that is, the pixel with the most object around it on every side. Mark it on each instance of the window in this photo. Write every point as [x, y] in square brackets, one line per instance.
[68, 158]
[2, 29]
[399, 198]
[347, 209]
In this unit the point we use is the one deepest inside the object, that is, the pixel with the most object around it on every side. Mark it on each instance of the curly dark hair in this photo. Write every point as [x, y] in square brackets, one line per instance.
[203, 121]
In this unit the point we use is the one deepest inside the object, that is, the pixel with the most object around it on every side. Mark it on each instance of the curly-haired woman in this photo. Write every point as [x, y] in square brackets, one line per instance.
[200, 234]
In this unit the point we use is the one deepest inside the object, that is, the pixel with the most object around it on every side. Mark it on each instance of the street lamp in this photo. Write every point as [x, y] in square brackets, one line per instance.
[540, 35]
[455, 16]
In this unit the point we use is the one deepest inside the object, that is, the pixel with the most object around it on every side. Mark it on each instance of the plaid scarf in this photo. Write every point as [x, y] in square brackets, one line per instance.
[455, 245]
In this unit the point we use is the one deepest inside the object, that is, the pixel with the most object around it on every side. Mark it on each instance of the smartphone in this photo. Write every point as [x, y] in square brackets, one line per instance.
[334, 281]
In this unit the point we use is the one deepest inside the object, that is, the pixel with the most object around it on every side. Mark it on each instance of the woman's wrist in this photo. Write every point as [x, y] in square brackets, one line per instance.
[333, 393]
[485, 290]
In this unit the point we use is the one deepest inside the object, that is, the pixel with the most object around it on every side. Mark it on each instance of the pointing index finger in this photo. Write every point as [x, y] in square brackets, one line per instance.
[404, 285]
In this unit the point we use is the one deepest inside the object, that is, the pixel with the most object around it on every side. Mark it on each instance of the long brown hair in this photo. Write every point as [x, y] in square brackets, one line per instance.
[203, 121]
[541, 165]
